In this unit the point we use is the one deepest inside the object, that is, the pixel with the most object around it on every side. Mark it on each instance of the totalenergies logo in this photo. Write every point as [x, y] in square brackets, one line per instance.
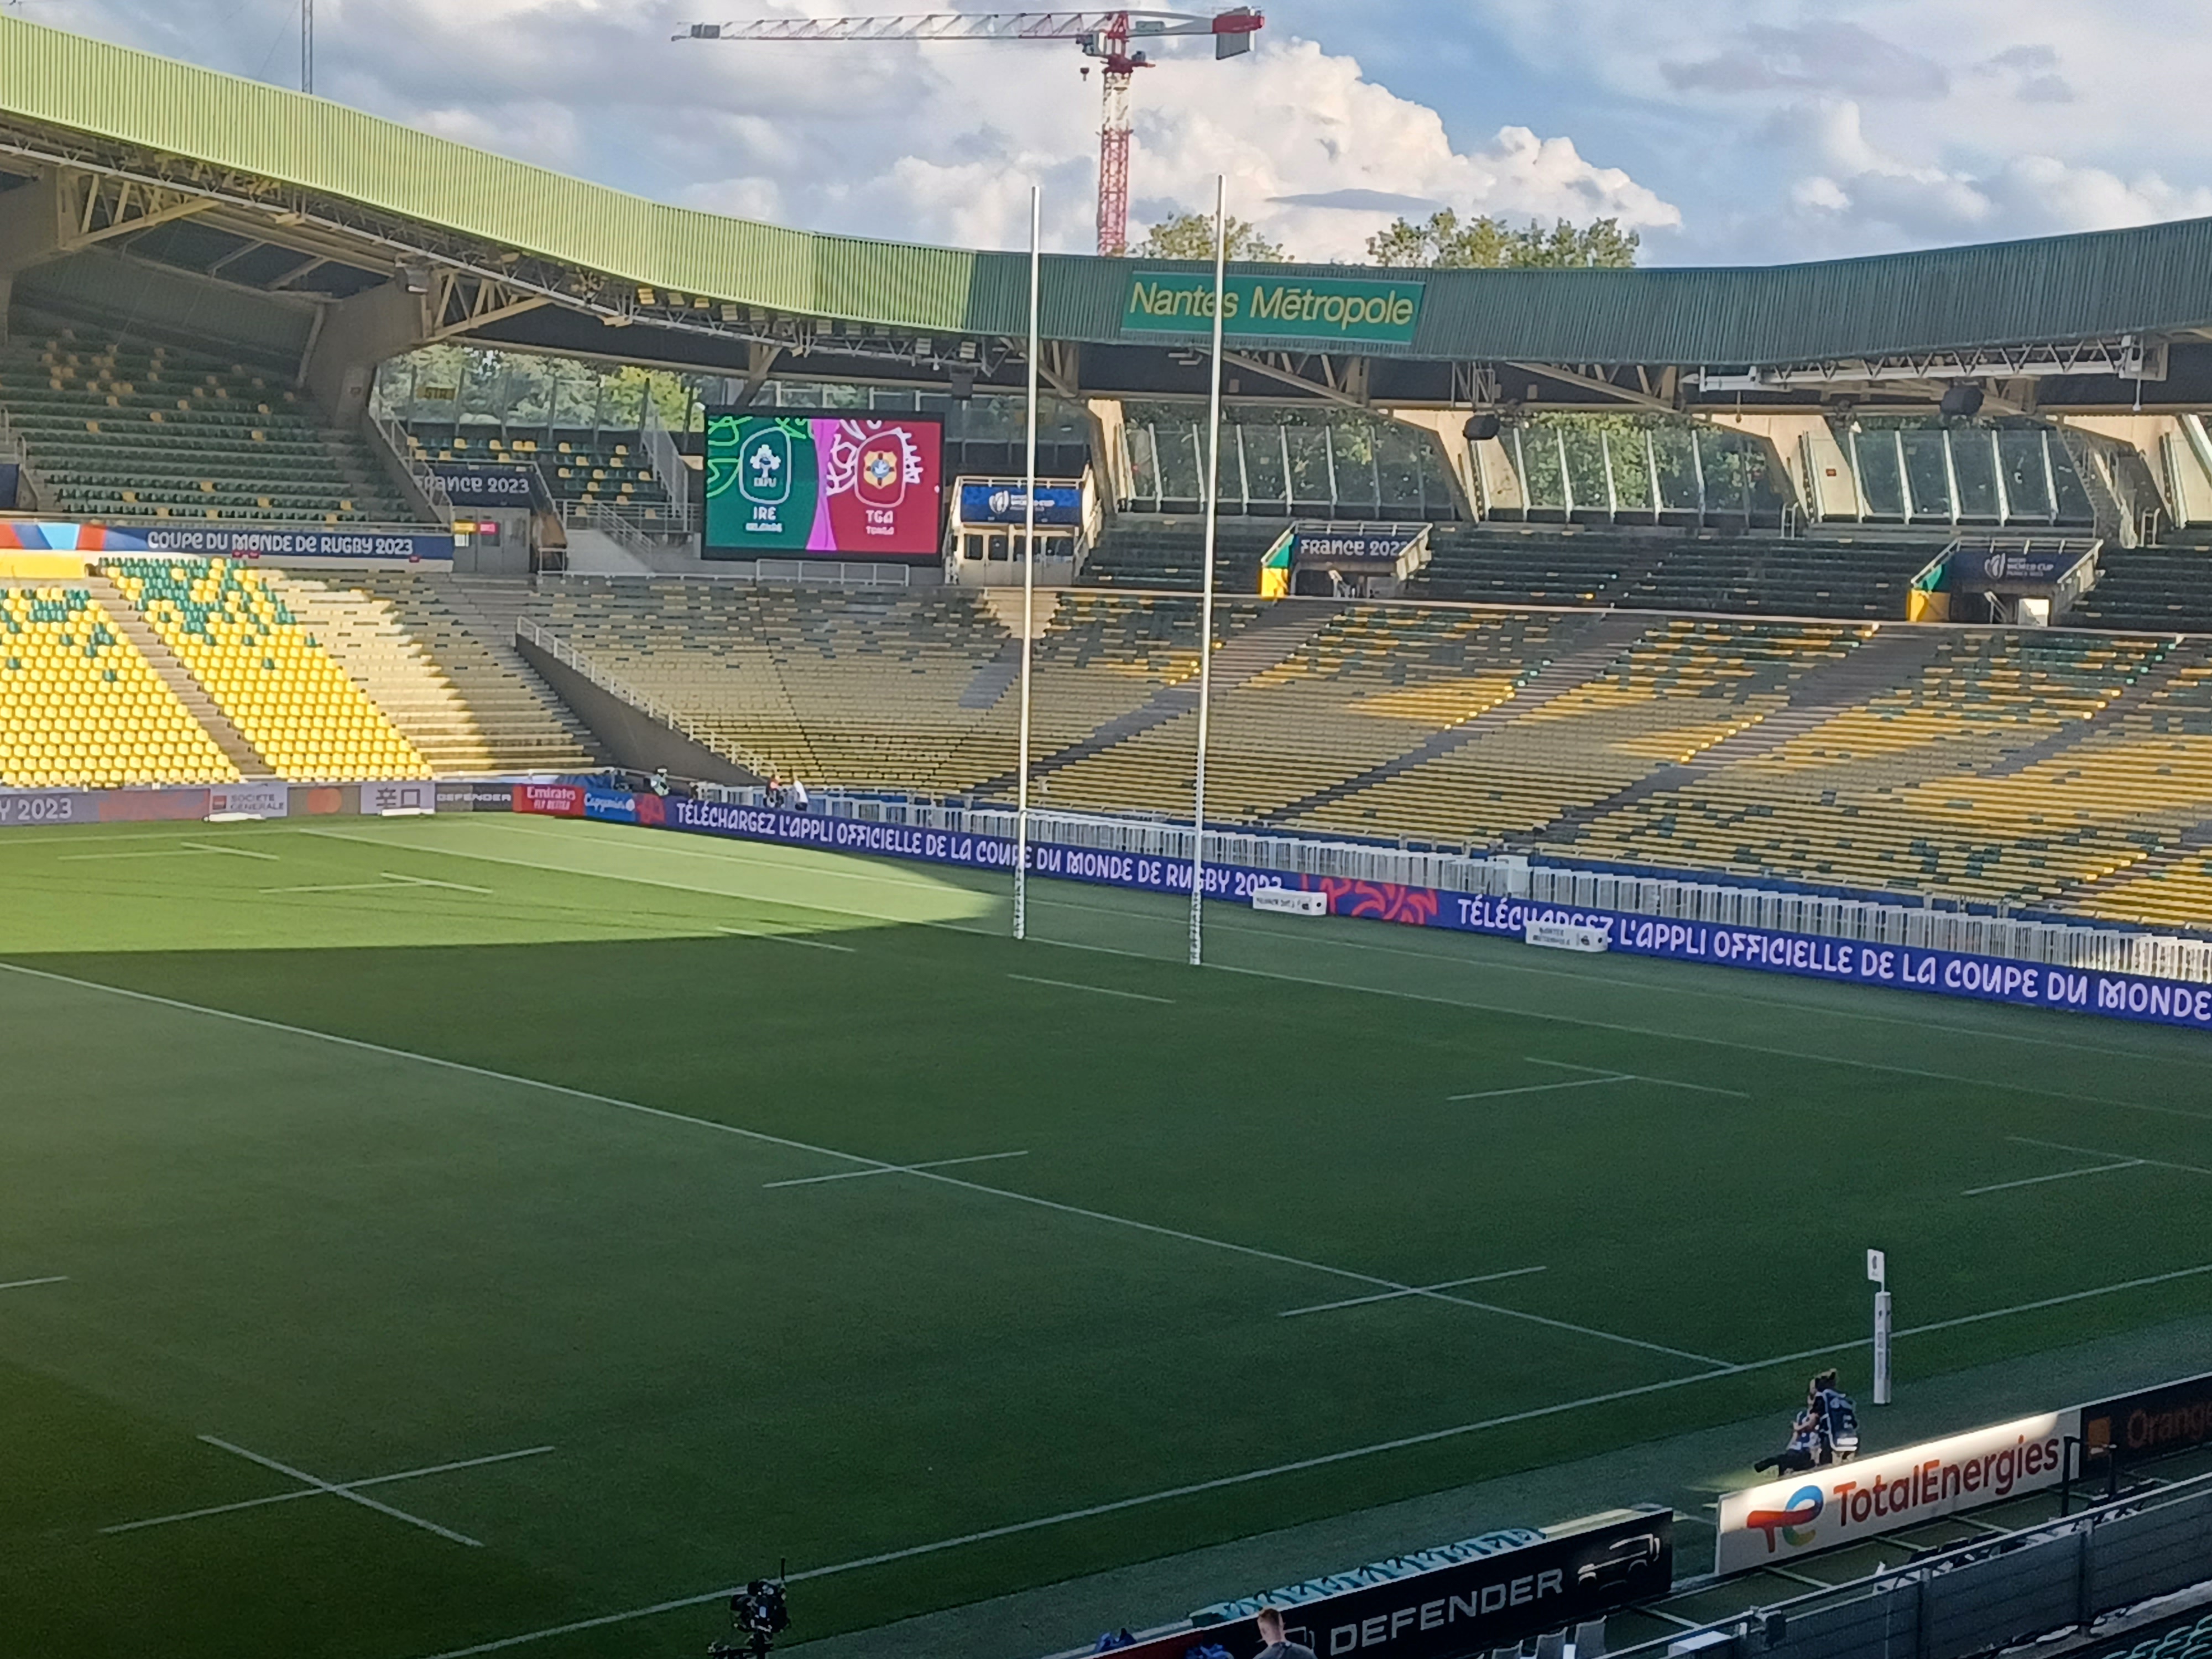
[1794, 1520]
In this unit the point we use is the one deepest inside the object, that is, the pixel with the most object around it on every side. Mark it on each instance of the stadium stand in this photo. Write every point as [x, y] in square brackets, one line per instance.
[2190, 1639]
[120, 431]
[449, 678]
[288, 696]
[1168, 552]
[580, 465]
[80, 706]
[2158, 589]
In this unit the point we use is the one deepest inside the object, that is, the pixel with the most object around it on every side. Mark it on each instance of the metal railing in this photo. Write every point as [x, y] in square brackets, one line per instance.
[1990, 1594]
[623, 530]
[553, 646]
[1893, 925]
[677, 478]
[394, 437]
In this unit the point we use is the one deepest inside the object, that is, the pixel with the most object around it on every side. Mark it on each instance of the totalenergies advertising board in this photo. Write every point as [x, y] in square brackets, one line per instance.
[832, 487]
[1824, 1509]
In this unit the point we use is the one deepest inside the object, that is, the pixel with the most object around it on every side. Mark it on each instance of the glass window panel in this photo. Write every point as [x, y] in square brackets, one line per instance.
[1542, 484]
[1398, 453]
[1975, 463]
[2027, 491]
[1144, 462]
[1631, 477]
[1178, 460]
[1263, 466]
[2073, 506]
[1308, 465]
[1678, 469]
[1879, 487]
[1925, 471]
[1585, 465]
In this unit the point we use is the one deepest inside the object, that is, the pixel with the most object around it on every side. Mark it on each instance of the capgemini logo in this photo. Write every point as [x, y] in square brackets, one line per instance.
[1794, 1520]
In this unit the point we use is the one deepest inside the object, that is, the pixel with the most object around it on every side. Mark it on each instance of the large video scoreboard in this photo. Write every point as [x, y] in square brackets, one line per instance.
[838, 487]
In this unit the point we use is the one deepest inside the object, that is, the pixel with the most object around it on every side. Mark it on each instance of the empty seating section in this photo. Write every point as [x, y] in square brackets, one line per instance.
[832, 687]
[1860, 577]
[471, 705]
[1934, 786]
[288, 696]
[130, 432]
[1677, 688]
[2052, 769]
[602, 469]
[2160, 589]
[1361, 685]
[1169, 553]
[81, 708]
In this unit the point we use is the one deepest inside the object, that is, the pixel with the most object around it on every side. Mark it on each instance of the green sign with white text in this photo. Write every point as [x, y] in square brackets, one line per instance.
[1273, 307]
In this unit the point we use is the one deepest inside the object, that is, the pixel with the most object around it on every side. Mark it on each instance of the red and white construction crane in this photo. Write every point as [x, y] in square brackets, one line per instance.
[1108, 36]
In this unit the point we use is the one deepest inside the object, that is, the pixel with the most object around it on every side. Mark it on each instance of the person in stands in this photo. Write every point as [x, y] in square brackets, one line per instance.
[1279, 1646]
[1806, 1443]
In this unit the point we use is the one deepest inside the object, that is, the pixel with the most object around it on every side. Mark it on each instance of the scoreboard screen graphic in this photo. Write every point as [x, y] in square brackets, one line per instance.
[831, 486]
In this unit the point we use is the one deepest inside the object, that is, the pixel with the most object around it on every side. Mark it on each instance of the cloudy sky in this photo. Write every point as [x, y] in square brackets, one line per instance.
[1725, 130]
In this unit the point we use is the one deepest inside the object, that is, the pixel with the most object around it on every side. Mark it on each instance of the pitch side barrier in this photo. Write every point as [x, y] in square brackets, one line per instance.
[1151, 861]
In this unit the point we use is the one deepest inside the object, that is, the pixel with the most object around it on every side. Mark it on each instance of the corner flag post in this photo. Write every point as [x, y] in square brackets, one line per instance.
[1206, 604]
[1878, 1274]
[1029, 579]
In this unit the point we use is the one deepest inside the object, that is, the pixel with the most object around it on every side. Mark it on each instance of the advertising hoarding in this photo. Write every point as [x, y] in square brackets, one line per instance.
[2149, 1423]
[1273, 307]
[1469, 1606]
[859, 487]
[481, 485]
[1844, 1503]
[401, 795]
[218, 541]
[1058, 505]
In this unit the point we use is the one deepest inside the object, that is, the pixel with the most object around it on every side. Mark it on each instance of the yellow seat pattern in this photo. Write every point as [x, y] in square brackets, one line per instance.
[287, 695]
[80, 709]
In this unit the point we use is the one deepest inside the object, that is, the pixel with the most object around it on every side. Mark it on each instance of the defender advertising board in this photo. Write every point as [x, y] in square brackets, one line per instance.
[1826, 1507]
[1470, 1606]
[835, 487]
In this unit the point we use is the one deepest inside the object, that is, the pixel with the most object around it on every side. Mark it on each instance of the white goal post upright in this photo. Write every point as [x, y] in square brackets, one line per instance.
[1205, 603]
[1878, 1273]
[1029, 578]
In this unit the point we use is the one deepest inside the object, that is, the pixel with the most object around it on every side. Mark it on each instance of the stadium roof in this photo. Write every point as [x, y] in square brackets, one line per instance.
[400, 194]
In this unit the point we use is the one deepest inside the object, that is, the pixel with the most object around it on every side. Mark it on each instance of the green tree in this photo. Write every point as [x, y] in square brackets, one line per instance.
[1190, 236]
[1444, 239]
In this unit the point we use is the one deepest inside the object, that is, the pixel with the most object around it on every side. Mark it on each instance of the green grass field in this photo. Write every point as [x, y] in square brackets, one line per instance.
[570, 1166]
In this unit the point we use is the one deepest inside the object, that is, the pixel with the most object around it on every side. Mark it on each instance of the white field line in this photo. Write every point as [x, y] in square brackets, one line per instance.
[1638, 1076]
[1545, 1088]
[26, 1284]
[339, 887]
[229, 852]
[1427, 1437]
[1095, 990]
[2062, 1175]
[182, 850]
[1250, 1251]
[1880, 1066]
[786, 938]
[895, 1168]
[1392, 1295]
[346, 1492]
[1799, 1054]
[425, 881]
[313, 1491]
[2131, 1158]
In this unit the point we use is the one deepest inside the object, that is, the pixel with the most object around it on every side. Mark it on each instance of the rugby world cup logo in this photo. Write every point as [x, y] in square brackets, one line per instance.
[1794, 1520]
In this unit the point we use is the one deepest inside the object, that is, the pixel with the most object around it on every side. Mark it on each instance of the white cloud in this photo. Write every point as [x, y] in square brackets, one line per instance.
[936, 142]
